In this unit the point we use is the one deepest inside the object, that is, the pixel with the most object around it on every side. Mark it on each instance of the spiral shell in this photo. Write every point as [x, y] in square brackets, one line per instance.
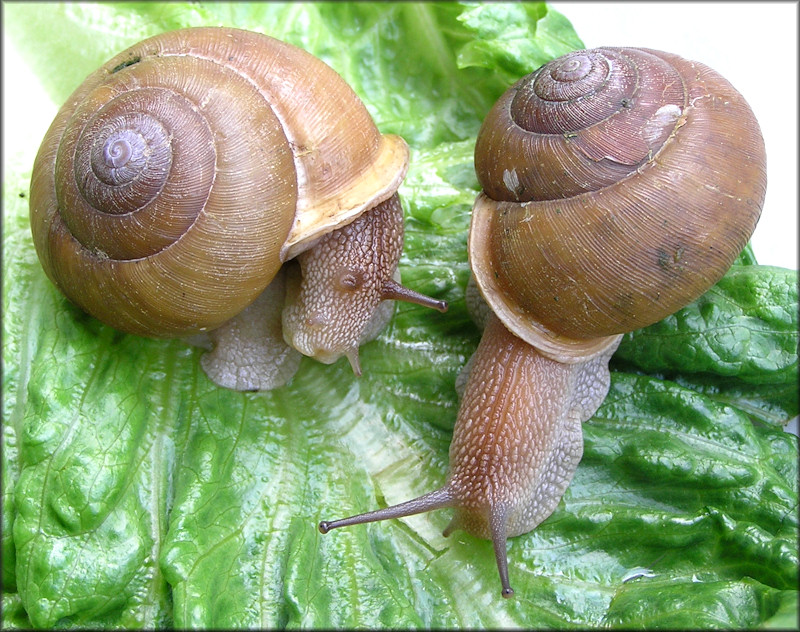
[619, 185]
[180, 175]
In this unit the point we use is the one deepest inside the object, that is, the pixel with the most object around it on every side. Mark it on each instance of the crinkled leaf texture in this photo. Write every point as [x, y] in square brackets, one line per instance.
[138, 494]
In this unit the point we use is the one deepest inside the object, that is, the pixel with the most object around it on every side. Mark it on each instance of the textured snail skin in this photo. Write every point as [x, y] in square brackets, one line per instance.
[248, 352]
[344, 284]
[179, 177]
[619, 185]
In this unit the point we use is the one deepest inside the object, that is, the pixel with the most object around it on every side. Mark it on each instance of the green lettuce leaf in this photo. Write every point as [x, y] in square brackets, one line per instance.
[138, 494]
[737, 343]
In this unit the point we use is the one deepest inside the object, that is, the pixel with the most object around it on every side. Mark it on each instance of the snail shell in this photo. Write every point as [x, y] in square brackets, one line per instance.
[619, 185]
[180, 175]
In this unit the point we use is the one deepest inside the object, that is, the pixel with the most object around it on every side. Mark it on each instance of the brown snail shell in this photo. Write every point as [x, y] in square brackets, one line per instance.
[179, 176]
[619, 185]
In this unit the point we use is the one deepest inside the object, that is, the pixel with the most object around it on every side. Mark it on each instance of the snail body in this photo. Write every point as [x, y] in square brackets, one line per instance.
[178, 179]
[619, 184]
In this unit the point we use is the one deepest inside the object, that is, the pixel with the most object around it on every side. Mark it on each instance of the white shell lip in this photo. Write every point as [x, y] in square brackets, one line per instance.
[521, 324]
[315, 218]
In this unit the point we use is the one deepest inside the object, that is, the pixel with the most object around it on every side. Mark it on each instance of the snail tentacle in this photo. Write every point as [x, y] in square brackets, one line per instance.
[436, 499]
[393, 291]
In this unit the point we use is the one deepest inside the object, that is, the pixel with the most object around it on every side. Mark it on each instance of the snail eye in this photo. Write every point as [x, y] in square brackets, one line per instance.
[350, 280]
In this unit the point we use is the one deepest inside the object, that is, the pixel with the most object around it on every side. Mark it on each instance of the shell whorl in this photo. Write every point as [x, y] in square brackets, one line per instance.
[619, 185]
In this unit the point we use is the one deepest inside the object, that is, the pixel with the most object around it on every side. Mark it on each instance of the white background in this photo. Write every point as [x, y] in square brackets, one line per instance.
[754, 46]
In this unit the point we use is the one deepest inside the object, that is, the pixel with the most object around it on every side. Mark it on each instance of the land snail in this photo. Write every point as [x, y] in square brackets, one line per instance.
[181, 176]
[619, 184]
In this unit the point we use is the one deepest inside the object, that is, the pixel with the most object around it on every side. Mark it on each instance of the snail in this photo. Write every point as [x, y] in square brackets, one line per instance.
[619, 184]
[180, 177]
